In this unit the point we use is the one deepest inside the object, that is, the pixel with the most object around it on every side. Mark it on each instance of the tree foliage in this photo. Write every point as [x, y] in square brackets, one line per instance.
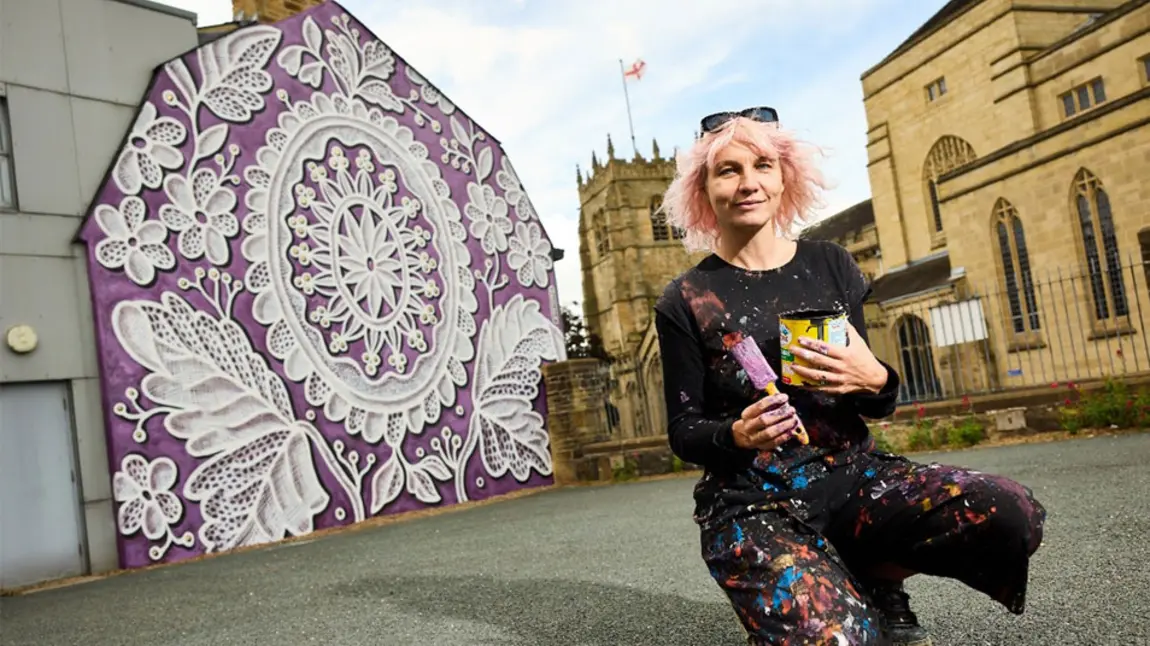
[580, 343]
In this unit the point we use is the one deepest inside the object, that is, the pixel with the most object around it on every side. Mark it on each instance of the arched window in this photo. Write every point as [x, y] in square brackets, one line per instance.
[1015, 267]
[1100, 245]
[660, 230]
[947, 154]
[919, 380]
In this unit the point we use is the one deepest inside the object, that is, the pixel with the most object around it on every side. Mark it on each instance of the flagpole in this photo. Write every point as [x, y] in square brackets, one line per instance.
[627, 98]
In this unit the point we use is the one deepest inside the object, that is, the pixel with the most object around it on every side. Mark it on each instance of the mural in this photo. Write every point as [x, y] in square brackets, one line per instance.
[321, 294]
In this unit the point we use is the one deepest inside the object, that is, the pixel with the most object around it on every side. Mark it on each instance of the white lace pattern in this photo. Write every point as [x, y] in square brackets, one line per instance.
[320, 289]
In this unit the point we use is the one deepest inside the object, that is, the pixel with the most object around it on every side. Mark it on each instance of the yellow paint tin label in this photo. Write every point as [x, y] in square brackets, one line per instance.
[825, 325]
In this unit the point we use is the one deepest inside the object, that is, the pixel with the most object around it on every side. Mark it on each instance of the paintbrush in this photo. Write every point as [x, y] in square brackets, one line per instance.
[747, 353]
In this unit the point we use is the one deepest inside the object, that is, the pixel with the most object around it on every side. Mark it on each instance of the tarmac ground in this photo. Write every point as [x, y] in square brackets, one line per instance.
[612, 565]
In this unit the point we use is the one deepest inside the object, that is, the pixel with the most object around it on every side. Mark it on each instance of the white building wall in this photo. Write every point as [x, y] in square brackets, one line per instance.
[71, 73]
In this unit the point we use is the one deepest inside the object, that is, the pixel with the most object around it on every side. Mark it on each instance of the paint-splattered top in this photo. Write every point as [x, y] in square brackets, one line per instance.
[706, 390]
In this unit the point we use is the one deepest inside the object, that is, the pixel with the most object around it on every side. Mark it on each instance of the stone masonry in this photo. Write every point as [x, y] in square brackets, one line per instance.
[967, 127]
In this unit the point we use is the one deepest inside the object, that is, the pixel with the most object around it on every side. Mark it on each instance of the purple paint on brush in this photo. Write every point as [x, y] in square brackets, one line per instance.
[749, 356]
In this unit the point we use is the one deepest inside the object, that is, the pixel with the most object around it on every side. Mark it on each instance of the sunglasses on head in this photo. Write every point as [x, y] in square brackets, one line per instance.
[713, 122]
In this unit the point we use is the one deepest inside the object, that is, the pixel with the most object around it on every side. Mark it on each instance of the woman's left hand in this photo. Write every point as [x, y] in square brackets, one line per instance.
[840, 370]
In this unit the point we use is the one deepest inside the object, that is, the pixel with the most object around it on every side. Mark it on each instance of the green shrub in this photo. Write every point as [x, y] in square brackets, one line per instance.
[629, 470]
[968, 432]
[924, 436]
[1116, 404]
[881, 443]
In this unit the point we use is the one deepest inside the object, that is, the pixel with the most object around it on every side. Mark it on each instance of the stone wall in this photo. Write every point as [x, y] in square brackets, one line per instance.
[627, 251]
[577, 414]
[586, 444]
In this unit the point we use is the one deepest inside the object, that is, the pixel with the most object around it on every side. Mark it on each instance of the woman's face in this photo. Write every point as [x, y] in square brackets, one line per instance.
[744, 188]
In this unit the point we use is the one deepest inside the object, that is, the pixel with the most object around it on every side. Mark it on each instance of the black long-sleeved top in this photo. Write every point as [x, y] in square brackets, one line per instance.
[706, 390]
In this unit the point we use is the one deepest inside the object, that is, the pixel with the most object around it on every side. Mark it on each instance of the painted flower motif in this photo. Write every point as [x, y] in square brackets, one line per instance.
[377, 408]
[530, 255]
[150, 150]
[513, 191]
[427, 264]
[372, 266]
[338, 161]
[489, 221]
[137, 246]
[304, 195]
[144, 489]
[364, 162]
[299, 226]
[420, 236]
[202, 212]
[318, 172]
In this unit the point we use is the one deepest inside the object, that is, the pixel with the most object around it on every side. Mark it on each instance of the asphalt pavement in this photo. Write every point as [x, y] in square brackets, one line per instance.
[613, 565]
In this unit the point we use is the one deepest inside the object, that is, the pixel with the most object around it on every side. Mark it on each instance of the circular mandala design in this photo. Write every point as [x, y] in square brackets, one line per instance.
[359, 267]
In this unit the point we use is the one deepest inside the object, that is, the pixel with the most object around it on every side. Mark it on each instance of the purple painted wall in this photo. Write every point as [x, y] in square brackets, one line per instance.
[321, 294]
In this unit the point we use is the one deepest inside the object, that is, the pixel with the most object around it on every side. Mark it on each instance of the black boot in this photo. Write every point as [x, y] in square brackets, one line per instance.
[893, 604]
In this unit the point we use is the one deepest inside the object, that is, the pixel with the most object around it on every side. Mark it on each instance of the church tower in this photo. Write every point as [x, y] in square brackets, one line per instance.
[627, 250]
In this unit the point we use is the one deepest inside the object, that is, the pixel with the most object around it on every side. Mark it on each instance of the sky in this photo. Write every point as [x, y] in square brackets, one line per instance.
[543, 77]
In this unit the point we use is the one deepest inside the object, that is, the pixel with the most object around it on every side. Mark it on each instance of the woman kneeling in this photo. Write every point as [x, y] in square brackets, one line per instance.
[810, 541]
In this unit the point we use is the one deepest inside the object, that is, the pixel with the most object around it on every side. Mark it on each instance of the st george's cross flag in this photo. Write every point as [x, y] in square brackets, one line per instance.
[637, 69]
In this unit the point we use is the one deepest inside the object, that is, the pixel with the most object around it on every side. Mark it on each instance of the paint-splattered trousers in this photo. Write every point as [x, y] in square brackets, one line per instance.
[796, 573]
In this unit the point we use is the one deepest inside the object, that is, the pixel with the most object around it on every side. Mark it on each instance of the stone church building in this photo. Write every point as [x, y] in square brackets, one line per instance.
[1008, 224]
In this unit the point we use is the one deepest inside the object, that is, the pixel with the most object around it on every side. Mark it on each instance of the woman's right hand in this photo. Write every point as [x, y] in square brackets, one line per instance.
[765, 424]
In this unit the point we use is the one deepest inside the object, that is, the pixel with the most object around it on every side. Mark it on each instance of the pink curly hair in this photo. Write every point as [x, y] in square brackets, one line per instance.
[685, 202]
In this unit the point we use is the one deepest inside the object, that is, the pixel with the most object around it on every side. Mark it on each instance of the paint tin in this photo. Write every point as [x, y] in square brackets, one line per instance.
[825, 325]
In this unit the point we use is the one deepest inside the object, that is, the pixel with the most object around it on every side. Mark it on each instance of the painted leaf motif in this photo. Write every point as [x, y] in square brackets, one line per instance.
[380, 93]
[234, 74]
[421, 478]
[290, 58]
[460, 132]
[377, 60]
[312, 34]
[386, 483]
[212, 139]
[182, 78]
[312, 74]
[343, 56]
[485, 163]
[420, 485]
[258, 493]
[513, 344]
[435, 467]
[261, 481]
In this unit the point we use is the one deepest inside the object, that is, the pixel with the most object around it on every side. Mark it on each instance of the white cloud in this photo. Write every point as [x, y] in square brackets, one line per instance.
[543, 77]
[551, 90]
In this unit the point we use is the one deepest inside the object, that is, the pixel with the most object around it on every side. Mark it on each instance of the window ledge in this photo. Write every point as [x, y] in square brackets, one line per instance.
[1123, 329]
[938, 239]
[1025, 341]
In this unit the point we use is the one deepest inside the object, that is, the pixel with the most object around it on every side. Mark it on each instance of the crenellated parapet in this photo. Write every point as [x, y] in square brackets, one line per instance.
[602, 174]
